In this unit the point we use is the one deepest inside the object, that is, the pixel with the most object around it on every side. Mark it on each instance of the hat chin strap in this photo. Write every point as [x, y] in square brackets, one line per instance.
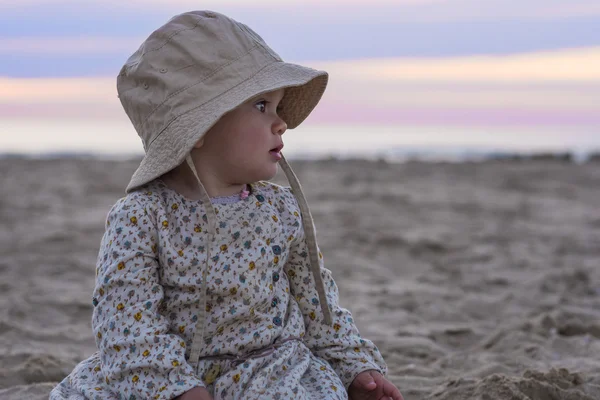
[310, 236]
[309, 233]
[198, 340]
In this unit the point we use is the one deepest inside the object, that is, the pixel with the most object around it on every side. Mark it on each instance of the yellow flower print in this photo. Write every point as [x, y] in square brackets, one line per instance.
[290, 238]
[165, 224]
[323, 368]
[233, 291]
[284, 367]
[291, 273]
[276, 260]
[121, 266]
[117, 348]
[251, 266]
[97, 388]
[275, 218]
[208, 307]
[252, 311]
[268, 241]
[212, 374]
[363, 360]
[236, 378]
[220, 330]
[146, 353]
[180, 253]
[296, 214]
[135, 378]
[356, 350]
[271, 286]
[175, 206]
[197, 229]
[107, 381]
[101, 291]
[182, 344]
[181, 329]
[320, 255]
[99, 335]
[154, 248]
[312, 315]
[148, 193]
[133, 220]
[120, 306]
[175, 363]
[224, 247]
[97, 368]
[336, 327]
[334, 388]
[138, 316]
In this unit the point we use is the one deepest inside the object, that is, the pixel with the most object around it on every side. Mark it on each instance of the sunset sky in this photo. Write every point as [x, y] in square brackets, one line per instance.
[493, 66]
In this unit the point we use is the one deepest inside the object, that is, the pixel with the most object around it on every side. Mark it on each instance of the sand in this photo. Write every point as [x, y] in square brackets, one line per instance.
[476, 280]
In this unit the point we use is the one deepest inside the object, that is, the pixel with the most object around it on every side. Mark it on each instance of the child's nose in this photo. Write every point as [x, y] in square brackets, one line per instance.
[279, 127]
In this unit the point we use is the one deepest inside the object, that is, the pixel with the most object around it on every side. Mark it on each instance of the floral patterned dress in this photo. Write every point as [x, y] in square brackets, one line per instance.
[265, 336]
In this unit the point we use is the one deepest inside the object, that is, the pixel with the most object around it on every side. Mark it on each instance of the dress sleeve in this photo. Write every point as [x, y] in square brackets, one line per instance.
[341, 344]
[139, 358]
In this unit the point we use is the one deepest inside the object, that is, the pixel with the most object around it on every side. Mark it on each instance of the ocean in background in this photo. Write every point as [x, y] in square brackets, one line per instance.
[110, 139]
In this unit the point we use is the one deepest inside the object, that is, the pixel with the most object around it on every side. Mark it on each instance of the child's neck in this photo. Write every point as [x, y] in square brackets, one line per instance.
[182, 180]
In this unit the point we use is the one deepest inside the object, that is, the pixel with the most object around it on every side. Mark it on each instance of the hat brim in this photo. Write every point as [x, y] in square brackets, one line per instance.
[304, 89]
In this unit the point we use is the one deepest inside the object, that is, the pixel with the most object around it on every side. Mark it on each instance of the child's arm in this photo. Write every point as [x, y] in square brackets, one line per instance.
[140, 359]
[341, 344]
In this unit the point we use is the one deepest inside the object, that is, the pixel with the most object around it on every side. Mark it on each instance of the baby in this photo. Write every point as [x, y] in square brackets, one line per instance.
[209, 281]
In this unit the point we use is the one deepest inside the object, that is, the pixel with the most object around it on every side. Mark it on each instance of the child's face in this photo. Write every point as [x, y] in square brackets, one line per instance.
[243, 146]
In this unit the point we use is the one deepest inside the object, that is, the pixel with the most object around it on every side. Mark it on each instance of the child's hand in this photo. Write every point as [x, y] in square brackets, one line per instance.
[371, 385]
[197, 393]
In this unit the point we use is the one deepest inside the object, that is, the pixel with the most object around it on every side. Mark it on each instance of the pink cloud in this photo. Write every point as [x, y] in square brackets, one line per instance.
[360, 114]
[61, 111]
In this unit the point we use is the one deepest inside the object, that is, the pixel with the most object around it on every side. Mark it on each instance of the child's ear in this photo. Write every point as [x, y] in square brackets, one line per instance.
[199, 143]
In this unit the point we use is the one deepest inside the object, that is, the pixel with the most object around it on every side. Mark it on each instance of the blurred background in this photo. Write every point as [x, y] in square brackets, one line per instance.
[473, 268]
[427, 78]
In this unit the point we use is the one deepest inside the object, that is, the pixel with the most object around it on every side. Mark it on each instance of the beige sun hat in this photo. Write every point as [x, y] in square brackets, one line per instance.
[182, 80]
[194, 69]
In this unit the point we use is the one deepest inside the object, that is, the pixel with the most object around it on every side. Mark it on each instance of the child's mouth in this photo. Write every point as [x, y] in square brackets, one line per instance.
[276, 152]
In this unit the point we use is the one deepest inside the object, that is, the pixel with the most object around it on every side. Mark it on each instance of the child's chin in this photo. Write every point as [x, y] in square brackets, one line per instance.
[270, 173]
[264, 174]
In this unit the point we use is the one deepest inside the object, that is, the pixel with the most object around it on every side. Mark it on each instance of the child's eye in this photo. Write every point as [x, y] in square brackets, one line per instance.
[262, 106]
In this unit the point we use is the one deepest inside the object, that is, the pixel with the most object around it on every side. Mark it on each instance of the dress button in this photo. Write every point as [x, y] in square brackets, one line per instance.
[274, 302]
[275, 276]
[277, 321]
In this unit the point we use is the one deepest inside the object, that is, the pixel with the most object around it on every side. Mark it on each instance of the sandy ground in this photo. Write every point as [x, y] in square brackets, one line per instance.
[477, 281]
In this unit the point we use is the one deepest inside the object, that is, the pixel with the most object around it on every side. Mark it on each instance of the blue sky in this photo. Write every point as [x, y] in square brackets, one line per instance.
[326, 32]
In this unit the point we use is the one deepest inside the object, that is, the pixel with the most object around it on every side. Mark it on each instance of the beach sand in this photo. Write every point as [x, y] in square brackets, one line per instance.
[476, 280]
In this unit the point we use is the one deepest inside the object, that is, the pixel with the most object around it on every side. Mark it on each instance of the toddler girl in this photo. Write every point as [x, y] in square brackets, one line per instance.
[209, 282]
